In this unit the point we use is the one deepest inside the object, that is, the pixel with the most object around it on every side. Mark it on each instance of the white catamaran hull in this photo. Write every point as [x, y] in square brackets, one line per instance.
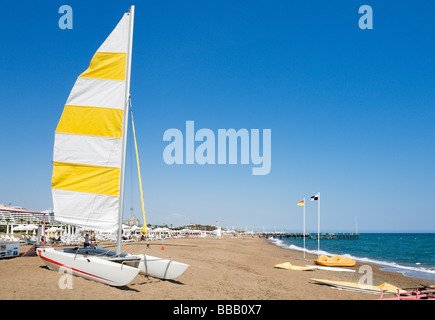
[160, 267]
[89, 267]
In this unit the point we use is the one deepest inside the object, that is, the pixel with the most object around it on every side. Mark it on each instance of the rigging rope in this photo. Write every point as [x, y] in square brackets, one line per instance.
[144, 227]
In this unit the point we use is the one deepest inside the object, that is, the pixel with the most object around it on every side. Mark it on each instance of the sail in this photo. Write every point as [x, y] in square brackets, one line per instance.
[88, 139]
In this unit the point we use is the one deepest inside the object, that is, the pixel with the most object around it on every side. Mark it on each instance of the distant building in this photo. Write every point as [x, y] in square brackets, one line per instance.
[133, 221]
[20, 215]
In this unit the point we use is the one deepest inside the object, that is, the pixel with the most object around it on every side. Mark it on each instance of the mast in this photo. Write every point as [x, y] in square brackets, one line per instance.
[125, 130]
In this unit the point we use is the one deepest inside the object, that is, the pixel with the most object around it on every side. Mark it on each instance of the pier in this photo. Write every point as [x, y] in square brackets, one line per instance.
[323, 236]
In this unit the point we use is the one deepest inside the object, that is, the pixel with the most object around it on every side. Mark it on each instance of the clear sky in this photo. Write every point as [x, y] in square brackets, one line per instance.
[351, 111]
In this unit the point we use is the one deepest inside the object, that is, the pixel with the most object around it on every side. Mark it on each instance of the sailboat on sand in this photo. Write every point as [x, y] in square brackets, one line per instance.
[89, 167]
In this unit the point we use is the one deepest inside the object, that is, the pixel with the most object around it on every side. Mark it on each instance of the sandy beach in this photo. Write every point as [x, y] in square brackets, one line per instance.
[220, 269]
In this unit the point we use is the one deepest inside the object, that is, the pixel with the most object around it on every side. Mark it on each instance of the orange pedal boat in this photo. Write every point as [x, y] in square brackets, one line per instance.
[334, 261]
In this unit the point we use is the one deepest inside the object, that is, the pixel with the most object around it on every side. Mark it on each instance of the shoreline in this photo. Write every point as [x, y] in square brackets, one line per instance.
[405, 270]
[219, 269]
[380, 274]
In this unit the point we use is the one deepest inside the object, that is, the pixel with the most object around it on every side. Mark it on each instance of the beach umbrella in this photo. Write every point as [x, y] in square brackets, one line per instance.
[53, 229]
[135, 228]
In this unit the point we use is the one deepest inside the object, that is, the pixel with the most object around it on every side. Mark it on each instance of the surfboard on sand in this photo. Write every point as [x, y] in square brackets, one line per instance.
[332, 268]
[289, 266]
[355, 286]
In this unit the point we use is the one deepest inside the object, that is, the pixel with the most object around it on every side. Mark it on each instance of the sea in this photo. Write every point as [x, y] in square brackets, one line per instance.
[412, 254]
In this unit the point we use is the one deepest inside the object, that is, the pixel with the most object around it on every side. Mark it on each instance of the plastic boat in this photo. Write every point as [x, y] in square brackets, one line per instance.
[334, 261]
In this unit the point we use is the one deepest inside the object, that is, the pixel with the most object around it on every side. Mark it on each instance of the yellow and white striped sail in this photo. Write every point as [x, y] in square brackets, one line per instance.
[88, 139]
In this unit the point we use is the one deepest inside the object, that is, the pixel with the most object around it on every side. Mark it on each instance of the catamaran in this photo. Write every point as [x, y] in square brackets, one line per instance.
[89, 167]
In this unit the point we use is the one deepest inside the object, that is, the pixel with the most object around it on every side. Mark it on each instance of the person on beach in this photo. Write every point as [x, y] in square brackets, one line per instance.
[86, 244]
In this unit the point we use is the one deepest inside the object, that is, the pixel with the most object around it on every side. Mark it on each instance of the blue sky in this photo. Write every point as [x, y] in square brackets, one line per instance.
[351, 111]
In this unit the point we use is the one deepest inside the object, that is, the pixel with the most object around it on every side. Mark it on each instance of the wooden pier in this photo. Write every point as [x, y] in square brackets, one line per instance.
[323, 236]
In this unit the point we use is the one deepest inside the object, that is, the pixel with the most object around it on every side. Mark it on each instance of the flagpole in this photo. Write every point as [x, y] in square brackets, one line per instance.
[318, 225]
[303, 236]
[356, 224]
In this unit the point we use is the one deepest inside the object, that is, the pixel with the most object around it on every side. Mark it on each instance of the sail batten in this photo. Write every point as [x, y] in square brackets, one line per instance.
[87, 156]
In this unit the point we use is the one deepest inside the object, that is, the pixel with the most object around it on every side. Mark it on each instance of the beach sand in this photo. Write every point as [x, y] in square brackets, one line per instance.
[220, 269]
